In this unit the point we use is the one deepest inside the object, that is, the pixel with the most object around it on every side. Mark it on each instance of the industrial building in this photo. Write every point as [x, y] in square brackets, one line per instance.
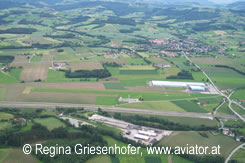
[141, 137]
[196, 88]
[157, 83]
[141, 134]
[147, 133]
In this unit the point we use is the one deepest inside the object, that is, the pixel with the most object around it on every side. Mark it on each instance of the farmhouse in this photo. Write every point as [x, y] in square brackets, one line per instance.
[20, 120]
[202, 103]
[59, 66]
[163, 66]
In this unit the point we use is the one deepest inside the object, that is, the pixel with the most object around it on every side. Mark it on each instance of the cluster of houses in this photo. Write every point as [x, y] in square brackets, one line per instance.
[169, 54]
[185, 46]
[226, 131]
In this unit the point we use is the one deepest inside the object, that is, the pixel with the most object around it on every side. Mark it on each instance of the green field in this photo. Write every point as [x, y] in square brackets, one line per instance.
[238, 109]
[182, 138]
[59, 76]
[50, 123]
[190, 106]
[2, 93]
[5, 116]
[16, 155]
[239, 156]
[147, 96]
[36, 58]
[224, 109]
[106, 100]
[4, 153]
[137, 72]
[102, 159]
[141, 67]
[113, 86]
[165, 105]
[239, 95]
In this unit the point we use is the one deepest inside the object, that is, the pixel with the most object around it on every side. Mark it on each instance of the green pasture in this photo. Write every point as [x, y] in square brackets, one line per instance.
[239, 94]
[2, 93]
[10, 77]
[113, 86]
[4, 153]
[51, 123]
[161, 105]
[239, 156]
[5, 116]
[147, 96]
[106, 100]
[59, 76]
[36, 58]
[190, 106]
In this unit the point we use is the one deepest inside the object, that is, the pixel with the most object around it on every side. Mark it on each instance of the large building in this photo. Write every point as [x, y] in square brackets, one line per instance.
[193, 86]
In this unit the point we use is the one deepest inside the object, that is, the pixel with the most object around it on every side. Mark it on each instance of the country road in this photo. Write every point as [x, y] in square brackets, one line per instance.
[113, 109]
[222, 94]
[234, 151]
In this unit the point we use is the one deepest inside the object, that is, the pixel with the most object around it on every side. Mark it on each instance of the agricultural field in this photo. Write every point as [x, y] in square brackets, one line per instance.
[16, 155]
[50, 123]
[165, 105]
[238, 95]
[91, 53]
[5, 116]
[239, 156]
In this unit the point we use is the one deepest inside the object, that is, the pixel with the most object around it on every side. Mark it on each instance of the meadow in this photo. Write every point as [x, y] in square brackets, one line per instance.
[147, 96]
[5, 116]
[239, 95]
[50, 123]
[190, 106]
[239, 156]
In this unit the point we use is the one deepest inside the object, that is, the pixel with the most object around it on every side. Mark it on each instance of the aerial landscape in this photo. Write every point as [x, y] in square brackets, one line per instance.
[101, 73]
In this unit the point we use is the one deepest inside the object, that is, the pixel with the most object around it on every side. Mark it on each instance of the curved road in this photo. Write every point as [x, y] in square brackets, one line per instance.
[234, 151]
[222, 94]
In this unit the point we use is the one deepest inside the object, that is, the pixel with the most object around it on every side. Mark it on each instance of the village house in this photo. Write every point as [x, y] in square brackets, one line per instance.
[202, 103]
[20, 120]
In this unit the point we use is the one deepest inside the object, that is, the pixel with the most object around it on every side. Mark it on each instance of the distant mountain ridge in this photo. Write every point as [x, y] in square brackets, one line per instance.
[240, 5]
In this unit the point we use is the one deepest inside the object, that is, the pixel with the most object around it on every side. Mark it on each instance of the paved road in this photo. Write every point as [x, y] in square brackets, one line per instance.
[234, 151]
[113, 109]
[222, 94]
[215, 112]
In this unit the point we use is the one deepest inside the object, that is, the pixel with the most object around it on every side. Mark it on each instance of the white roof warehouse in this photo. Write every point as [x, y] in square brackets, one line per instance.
[175, 84]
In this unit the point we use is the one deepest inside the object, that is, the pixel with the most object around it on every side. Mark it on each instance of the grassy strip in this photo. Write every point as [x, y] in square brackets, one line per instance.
[147, 96]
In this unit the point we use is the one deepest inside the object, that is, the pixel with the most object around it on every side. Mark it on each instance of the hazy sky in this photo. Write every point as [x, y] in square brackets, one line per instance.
[223, 1]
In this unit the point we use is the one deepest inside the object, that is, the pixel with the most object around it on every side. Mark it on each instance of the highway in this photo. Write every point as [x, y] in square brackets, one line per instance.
[112, 109]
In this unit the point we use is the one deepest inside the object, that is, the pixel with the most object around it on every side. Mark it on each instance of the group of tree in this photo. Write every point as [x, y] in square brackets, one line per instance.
[182, 75]
[6, 59]
[100, 73]
[18, 31]
[160, 123]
